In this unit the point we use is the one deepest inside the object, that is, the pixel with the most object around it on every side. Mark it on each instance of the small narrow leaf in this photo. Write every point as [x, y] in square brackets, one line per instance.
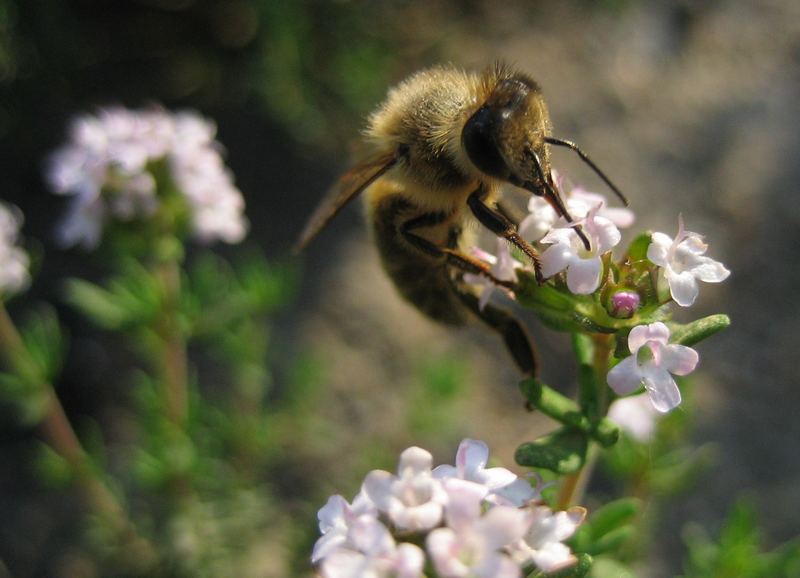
[699, 330]
[563, 452]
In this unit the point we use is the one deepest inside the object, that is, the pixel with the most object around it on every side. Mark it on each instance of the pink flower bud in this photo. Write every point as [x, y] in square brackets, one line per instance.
[624, 304]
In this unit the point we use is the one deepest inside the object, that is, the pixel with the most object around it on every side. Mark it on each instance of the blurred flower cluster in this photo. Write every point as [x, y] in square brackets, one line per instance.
[124, 165]
[13, 260]
[471, 520]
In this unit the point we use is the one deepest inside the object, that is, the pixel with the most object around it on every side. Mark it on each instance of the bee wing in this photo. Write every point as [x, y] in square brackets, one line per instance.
[346, 189]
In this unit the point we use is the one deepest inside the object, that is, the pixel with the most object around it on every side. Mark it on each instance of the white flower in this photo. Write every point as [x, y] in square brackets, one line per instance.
[682, 264]
[636, 415]
[14, 261]
[580, 202]
[503, 486]
[372, 554]
[335, 519]
[503, 268]
[413, 499]
[472, 544]
[584, 267]
[542, 217]
[651, 362]
[542, 543]
[108, 167]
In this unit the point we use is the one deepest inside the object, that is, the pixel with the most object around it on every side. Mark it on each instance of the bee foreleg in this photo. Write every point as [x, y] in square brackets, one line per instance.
[515, 336]
[452, 257]
[498, 224]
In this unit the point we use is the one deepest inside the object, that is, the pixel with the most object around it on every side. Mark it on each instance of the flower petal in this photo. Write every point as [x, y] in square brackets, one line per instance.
[662, 389]
[683, 287]
[503, 525]
[517, 493]
[658, 250]
[583, 275]
[471, 456]
[414, 461]
[409, 561]
[710, 271]
[556, 258]
[378, 487]
[625, 377]
[679, 359]
[641, 334]
[552, 556]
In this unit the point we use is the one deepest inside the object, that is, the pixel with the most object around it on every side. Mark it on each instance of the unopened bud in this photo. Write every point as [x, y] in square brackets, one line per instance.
[624, 304]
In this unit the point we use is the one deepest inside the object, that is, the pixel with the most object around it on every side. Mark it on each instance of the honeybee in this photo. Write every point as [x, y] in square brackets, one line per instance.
[444, 142]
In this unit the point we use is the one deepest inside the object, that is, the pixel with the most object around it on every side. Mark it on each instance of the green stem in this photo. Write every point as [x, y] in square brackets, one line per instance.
[593, 357]
[174, 365]
[56, 431]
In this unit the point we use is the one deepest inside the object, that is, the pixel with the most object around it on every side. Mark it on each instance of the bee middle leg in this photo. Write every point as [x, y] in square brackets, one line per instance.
[452, 257]
[502, 226]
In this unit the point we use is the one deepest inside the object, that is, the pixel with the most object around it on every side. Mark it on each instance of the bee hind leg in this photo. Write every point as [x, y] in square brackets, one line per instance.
[515, 336]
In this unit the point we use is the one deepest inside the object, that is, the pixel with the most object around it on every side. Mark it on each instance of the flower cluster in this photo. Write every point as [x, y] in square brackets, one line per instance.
[664, 270]
[121, 163]
[473, 521]
[13, 260]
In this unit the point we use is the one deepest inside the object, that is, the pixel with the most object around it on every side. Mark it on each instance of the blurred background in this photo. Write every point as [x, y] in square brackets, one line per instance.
[690, 107]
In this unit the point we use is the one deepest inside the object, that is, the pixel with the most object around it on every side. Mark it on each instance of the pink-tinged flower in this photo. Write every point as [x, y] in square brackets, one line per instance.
[683, 264]
[502, 485]
[335, 519]
[542, 218]
[472, 545]
[413, 499]
[651, 364]
[111, 164]
[503, 268]
[372, 553]
[580, 202]
[584, 267]
[542, 543]
[636, 415]
[14, 261]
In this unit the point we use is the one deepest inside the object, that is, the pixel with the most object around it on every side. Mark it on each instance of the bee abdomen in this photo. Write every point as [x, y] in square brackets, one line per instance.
[428, 287]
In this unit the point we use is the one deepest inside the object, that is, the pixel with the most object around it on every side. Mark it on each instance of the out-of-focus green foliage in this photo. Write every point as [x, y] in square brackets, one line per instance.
[738, 552]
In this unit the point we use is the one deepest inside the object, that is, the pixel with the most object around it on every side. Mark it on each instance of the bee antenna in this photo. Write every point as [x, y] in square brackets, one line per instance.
[585, 158]
[555, 200]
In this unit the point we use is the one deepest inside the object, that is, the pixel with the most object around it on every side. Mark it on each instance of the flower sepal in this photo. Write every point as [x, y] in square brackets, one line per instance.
[564, 311]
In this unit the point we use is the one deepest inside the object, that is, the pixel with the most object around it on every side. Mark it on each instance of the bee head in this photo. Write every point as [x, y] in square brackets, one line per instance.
[505, 137]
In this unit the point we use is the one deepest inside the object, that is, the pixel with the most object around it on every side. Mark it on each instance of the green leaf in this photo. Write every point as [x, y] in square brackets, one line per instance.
[637, 250]
[613, 516]
[52, 469]
[44, 343]
[604, 567]
[698, 330]
[130, 299]
[563, 452]
[738, 551]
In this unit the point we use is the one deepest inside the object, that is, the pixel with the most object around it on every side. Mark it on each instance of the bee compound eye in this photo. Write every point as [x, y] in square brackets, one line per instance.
[479, 138]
